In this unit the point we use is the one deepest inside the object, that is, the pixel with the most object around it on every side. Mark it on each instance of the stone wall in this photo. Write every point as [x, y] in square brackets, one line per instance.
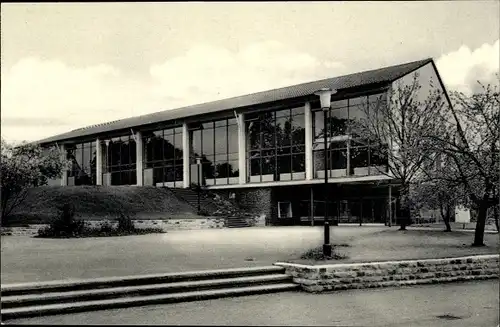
[324, 278]
[256, 201]
[164, 224]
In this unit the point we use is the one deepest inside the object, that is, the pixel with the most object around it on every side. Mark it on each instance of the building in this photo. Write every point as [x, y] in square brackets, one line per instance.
[265, 150]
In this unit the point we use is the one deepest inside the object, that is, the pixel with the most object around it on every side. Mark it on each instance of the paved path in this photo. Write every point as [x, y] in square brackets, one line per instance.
[26, 259]
[459, 304]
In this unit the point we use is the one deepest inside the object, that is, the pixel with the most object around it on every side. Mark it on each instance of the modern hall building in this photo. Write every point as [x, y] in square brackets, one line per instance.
[264, 150]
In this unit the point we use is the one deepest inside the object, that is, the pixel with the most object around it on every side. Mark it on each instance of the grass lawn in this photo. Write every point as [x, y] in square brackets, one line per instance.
[26, 259]
[98, 202]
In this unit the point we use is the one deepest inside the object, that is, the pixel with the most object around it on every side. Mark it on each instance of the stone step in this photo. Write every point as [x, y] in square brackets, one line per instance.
[16, 301]
[50, 309]
[108, 282]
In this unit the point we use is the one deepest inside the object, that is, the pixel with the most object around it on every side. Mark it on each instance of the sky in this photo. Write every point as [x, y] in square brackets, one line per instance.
[70, 65]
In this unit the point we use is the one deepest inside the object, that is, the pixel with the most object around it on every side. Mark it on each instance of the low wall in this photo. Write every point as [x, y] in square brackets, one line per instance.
[324, 278]
[164, 224]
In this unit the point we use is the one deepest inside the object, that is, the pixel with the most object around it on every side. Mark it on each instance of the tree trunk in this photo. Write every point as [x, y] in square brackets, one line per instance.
[403, 221]
[480, 225]
[495, 215]
[445, 214]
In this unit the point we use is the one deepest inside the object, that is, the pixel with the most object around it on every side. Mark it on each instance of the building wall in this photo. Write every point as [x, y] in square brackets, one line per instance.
[54, 182]
[256, 201]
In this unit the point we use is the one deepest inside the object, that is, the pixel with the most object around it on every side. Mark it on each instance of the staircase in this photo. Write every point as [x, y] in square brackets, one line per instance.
[237, 222]
[59, 297]
[208, 205]
[191, 197]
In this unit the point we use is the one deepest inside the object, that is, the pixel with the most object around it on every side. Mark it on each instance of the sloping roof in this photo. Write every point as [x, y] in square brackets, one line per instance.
[387, 74]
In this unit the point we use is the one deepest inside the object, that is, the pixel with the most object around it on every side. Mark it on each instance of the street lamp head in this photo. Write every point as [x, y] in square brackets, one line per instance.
[325, 97]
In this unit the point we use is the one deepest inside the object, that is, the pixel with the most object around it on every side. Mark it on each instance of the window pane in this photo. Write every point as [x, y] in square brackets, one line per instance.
[221, 123]
[255, 166]
[359, 157]
[284, 164]
[298, 163]
[253, 135]
[338, 121]
[233, 169]
[232, 135]
[232, 121]
[298, 130]
[168, 147]
[132, 150]
[220, 140]
[208, 141]
[298, 111]
[196, 142]
[208, 169]
[221, 170]
[339, 104]
[338, 159]
[178, 145]
[357, 108]
[318, 124]
[283, 113]
[268, 166]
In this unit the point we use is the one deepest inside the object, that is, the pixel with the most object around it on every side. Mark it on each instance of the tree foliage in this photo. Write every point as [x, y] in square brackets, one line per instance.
[25, 166]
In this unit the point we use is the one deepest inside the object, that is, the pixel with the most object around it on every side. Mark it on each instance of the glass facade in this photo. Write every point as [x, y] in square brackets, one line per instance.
[216, 142]
[83, 163]
[121, 160]
[275, 145]
[163, 154]
[348, 154]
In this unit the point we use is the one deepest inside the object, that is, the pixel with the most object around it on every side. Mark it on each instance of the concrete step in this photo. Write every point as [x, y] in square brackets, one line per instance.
[16, 301]
[107, 282]
[32, 311]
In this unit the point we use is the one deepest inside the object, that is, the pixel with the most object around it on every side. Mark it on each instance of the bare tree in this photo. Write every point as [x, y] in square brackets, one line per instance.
[475, 149]
[397, 130]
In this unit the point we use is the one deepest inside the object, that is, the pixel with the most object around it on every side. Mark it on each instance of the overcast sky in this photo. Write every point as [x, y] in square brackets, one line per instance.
[66, 66]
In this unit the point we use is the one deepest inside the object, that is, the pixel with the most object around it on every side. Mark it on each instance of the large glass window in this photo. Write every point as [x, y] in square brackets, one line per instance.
[276, 145]
[216, 142]
[83, 162]
[163, 154]
[121, 160]
[340, 117]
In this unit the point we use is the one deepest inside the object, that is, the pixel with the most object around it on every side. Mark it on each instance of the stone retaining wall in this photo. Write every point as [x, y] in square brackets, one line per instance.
[164, 224]
[324, 278]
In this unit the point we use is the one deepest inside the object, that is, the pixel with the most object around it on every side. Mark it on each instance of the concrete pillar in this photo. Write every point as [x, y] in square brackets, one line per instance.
[98, 161]
[242, 162]
[139, 161]
[64, 177]
[186, 150]
[309, 141]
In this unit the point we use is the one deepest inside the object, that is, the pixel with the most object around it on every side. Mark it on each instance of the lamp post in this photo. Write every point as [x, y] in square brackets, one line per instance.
[325, 97]
[199, 171]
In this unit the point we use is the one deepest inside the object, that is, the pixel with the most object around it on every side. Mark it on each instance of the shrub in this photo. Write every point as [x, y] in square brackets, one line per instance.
[106, 228]
[317, 255]
[125, 224]
[65, 225]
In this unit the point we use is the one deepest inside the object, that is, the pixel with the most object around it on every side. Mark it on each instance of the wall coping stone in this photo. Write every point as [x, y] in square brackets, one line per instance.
[361, 264]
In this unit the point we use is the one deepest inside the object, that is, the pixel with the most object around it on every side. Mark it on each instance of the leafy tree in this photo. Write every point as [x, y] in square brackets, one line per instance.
[396, 131]
[25, 166]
